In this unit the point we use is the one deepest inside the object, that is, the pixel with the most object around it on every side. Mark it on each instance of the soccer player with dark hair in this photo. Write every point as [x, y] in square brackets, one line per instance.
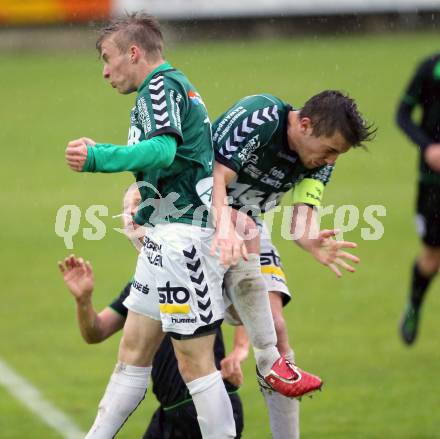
[423, 92]
[176, 418]
[265, 148]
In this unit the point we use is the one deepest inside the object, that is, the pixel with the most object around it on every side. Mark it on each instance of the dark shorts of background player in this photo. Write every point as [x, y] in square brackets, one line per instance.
[181, 422]
[428, 206]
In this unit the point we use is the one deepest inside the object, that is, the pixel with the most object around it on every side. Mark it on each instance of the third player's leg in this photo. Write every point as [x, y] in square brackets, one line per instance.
[283, 411]
[276, 304]
[429, 260]
[427, 263]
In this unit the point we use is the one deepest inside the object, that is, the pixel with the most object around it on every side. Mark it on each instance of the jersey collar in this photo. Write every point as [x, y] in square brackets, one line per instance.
[288, 108]
[158, 69]
[286, 149]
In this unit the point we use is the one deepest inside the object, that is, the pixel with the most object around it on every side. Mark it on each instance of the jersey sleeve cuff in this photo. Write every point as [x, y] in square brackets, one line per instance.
[225, 162]
[89, 165]
[167, 130]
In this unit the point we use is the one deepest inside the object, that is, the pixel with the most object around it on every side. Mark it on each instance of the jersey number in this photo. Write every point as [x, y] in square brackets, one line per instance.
[134, 135]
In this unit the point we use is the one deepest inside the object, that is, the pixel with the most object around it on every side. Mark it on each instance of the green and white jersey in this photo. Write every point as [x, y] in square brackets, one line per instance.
[251, 139]
[167, 103]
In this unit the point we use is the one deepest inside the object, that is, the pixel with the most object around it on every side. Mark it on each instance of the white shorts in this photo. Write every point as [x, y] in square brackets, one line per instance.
[177, 281]
[271, 266]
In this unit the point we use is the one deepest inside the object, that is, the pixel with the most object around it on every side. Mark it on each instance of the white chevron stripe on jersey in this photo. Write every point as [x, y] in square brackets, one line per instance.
[254, 119]
[159, 107]
[159, 126]
[244, 127]
[266, 113]
[158, 102]
[237, 137]
[230, 147]
[160, 117]
[156, 79]
[157, 96]
[274, 112]
[155, 86]
[248, 125]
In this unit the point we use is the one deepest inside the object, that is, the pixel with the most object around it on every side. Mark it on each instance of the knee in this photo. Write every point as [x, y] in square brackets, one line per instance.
[248, 282]
[190, 370]
[134, 353]
[185, 369]
[429, 260]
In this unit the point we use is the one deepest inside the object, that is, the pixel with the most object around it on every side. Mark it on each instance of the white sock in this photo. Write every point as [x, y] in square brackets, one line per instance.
[248, 293]
[213, 406]
[125, 391]
[283, 412]
[265, 358]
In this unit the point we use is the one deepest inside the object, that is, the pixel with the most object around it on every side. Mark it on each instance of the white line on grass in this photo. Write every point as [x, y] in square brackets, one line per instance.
[35, 402]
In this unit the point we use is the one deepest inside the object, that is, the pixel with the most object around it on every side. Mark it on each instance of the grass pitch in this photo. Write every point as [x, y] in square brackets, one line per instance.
[345, 330]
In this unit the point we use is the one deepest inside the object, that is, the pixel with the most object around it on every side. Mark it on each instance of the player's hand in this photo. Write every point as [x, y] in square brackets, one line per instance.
[331, 253]
[432, 156]
[131, 201]
[78, 277]
[230, 366]
[76, 153]
[230, 245]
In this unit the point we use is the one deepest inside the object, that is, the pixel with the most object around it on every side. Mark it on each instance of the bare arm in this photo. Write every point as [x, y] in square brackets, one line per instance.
[94, 327]
[231, 364]
[320, 243]
[229, 242]
[134, 232]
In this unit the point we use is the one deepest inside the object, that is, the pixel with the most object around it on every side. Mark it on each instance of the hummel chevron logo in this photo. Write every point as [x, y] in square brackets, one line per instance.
[206, 319]
[247, 126]
[202, 293]
[195, 266]
[161, 106]
[237, 136]
[190, 254]
[158, 96]
[166, 124]
[156, 79]
[155, 86]
[195, 271]
[198, 280]
[205, 306]
[229, 146]
[161, 117]
[256, 120]
[158, 101]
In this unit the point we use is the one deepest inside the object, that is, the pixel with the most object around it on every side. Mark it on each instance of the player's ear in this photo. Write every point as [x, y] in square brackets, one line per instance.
[134, 53]
[305, 125]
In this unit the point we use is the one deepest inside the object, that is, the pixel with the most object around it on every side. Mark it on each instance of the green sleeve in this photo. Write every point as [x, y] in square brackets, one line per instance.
[155, 153]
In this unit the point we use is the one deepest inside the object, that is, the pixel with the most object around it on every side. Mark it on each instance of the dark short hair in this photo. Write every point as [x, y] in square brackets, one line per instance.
[332, 111]
[140, 29]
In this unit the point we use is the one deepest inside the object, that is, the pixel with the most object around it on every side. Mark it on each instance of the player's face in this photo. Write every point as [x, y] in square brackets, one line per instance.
[318, 151]
[118, 68]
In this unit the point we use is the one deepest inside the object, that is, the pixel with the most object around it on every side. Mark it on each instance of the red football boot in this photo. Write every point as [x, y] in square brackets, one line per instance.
[289, 380]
